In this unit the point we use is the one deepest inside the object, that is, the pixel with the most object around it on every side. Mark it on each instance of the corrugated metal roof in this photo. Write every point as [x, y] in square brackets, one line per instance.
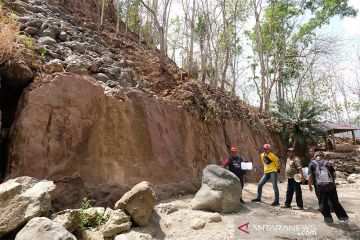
[336, 127]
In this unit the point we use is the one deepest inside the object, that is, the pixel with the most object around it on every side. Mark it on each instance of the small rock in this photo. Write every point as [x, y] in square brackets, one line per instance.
[340, 174]
[111, 83]
[102, 77]
[47, 41]
[118, 222]
[166, 208]
[132, 235]
[62, 36]
[214, 217]
[197, 224]
[353, 178]
[31, 30]
[94, 212]
[41, 228]
[54, 65]
[92, 235]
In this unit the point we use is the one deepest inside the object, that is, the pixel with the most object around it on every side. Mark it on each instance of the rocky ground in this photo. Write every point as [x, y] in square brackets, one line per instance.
[177, 224]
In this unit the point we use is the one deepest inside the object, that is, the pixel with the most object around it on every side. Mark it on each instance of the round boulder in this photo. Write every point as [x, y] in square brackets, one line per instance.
[139, 203]
[220, 191]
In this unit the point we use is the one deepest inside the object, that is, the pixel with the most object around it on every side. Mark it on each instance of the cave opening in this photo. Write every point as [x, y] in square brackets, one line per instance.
[9, 98]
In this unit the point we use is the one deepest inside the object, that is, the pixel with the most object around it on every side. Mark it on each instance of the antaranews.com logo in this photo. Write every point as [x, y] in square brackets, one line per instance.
[286, 229]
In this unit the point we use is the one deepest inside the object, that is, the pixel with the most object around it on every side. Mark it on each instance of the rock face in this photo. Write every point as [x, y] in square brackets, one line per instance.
[41, 228]
[21, 199]
[220, 191]
[139, 203]
[69, 126]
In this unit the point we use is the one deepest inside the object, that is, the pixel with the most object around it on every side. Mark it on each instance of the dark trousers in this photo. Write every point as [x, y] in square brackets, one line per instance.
[241, 177]
[317, 195]
[325, 198]
[292, 187]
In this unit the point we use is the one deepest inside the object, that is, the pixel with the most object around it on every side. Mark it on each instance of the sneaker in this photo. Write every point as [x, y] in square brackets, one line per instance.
[329, 220]
[297, 208]
[285, 206]
[256, 200]
[275, 204]
[344, 219]
[242, 201]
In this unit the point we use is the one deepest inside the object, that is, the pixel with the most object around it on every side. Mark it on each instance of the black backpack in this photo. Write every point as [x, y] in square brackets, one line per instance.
[324, 180]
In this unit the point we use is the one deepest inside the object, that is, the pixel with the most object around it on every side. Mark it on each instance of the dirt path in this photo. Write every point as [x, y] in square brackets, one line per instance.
[265, 221]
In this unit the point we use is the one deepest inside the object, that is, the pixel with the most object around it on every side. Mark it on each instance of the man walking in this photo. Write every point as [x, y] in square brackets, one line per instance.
[271, 169]
[293, 166]
[234, 164]
[323, 173]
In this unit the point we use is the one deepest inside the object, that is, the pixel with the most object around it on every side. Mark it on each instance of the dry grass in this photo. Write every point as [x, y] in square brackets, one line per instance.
[9, 34]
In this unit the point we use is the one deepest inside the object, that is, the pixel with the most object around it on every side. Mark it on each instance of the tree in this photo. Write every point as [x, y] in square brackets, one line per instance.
[161, 27]
[280, 40]
[298, 119]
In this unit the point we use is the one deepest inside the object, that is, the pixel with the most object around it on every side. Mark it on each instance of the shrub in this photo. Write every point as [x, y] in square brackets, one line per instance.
[9, 34]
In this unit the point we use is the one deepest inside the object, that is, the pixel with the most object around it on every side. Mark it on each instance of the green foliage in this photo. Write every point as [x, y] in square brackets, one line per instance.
[85, 220]
[297, 119]
[42, 54]
[29, 44]
[212, 111]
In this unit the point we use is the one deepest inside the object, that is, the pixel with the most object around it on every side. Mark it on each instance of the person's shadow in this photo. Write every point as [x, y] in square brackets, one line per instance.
[350, 229]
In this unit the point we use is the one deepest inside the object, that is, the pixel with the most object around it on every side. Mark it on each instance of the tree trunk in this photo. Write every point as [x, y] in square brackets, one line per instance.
[192, 30]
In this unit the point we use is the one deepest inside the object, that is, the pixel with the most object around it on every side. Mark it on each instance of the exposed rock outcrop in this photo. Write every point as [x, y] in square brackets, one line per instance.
[220, 191]
[71, 127]
[123, 121]
[22, 199]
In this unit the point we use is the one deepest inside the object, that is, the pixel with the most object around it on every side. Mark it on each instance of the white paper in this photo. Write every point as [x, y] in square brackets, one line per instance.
[246, 165]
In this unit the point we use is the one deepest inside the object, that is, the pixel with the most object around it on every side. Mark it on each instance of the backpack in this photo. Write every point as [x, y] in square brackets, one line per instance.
[324, 180]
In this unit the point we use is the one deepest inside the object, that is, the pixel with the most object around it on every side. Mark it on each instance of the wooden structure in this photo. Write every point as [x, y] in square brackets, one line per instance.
[330, 129]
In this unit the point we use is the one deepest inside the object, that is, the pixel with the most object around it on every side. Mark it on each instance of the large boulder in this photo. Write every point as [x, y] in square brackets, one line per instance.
[41, 228]
[139, 203]
[220, 191]
[118, 222]
[22, 199]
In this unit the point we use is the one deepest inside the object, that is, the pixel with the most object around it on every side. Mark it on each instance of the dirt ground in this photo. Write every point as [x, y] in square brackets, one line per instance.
[264, 221]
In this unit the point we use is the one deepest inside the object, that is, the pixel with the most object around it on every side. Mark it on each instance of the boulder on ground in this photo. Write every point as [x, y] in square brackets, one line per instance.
[139, 203]
[220, 191]
[42, 228]
[22, 199]
[118, 222]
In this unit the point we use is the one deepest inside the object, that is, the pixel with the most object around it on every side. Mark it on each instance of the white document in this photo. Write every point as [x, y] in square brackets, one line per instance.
[246, 165]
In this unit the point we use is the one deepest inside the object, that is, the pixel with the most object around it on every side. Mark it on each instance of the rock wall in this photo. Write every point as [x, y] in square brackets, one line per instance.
[99, 141]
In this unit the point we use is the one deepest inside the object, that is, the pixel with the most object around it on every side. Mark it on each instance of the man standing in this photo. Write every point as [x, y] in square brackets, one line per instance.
[234, 164]
[293, 166]
[271, 169]
[323, 173]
